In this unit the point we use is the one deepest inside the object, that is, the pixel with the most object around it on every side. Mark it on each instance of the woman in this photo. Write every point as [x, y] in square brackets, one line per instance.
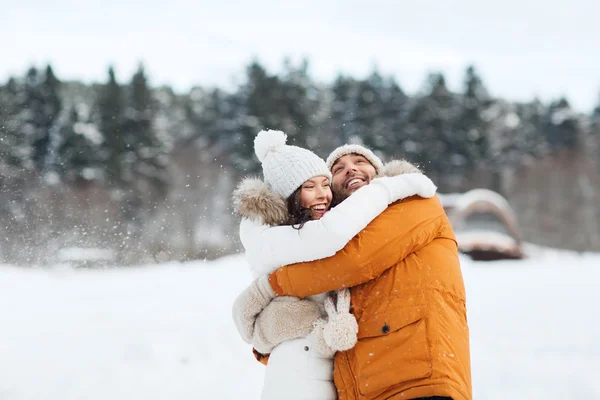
[285, 221]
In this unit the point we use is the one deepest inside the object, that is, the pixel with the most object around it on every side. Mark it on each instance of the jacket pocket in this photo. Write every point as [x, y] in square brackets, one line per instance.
[392, 351]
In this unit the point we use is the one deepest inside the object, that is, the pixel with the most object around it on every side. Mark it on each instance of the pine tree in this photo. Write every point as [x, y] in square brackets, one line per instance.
[214, 121]
[470, 128]
[529, 140]
[370, 111]
[562, 126]
[41, 106]
[394, 114]
[52, 108]
[31, 116]
[381, 114]
[268, 101]
[254, 103]
[14, 150]
[370, 126]
[430, 127]
[144, 153]
[15, 166]
[110, 112]
[77, 154]
[298, 103]
[343, 109]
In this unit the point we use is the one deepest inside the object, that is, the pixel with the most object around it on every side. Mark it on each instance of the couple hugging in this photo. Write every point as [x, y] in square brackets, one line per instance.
[358, 291]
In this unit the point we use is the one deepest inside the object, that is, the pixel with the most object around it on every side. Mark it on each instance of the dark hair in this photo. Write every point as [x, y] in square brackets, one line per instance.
[297, 215]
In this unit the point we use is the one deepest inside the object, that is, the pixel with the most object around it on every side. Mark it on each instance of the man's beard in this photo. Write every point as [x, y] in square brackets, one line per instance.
[344, 193]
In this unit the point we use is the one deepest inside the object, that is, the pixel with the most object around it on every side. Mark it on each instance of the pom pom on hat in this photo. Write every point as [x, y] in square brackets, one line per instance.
[268, 141]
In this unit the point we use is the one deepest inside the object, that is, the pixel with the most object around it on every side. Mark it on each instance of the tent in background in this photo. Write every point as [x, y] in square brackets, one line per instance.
[485, 225]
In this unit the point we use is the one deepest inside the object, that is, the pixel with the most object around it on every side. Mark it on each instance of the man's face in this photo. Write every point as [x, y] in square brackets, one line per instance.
[350, 172]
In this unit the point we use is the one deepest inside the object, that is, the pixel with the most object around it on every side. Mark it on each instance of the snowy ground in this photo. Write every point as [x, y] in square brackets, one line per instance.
[165, 332]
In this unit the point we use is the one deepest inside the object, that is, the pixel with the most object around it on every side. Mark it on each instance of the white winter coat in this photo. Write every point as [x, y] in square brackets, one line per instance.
[294, 371]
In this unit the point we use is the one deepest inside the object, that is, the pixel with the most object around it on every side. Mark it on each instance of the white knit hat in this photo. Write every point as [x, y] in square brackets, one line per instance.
[355, 149]
[286, 167]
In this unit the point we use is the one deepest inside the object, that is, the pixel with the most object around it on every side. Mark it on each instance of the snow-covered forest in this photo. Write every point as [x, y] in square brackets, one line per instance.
[147, 173]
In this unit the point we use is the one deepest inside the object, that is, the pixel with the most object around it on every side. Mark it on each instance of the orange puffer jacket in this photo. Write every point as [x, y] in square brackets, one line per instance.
[408, 297]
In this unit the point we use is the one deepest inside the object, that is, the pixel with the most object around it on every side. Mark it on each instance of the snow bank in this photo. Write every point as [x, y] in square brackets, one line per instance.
[165, 332]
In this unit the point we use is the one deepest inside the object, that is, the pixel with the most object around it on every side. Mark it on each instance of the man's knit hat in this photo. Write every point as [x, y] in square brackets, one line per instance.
[355, 149]
[286, 167]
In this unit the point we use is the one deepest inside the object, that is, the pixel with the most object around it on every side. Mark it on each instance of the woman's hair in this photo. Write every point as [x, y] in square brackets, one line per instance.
[297, 215]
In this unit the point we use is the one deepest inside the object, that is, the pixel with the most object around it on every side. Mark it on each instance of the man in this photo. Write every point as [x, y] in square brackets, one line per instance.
[407, 295]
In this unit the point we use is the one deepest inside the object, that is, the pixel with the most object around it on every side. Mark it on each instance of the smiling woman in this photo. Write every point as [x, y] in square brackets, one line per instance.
[310, 201]
[315, 195]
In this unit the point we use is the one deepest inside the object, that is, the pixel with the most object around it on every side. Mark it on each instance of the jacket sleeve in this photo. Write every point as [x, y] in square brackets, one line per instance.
[405, 227]
[270, 247]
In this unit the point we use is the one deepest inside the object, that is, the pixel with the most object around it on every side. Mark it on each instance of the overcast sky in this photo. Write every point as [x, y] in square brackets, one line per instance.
[521, 48]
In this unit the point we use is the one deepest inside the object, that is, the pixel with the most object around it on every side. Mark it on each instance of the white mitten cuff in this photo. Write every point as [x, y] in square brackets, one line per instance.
[406, 185]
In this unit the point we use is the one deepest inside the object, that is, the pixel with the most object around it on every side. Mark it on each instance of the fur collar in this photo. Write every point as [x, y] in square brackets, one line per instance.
[253, 199]
[399, 167]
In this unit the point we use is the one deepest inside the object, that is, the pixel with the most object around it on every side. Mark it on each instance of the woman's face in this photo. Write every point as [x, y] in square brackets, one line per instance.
[316, 195]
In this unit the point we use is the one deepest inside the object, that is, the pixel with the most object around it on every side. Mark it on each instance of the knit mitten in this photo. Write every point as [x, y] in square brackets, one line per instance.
[317, 340]
[248, 305]
[285, 318]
